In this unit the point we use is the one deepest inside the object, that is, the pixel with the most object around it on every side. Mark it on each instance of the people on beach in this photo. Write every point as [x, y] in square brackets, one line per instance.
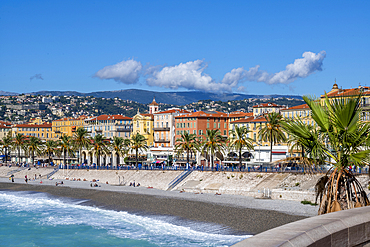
[12, 178]
[26, 179]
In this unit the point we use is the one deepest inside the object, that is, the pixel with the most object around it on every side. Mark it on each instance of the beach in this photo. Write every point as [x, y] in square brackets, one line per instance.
[240, 214]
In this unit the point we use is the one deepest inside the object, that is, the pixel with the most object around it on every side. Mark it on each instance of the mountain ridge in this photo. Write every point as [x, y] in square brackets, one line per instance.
[175, 98]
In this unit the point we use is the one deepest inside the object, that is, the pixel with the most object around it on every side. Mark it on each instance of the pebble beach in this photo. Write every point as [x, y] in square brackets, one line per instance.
[238, 213]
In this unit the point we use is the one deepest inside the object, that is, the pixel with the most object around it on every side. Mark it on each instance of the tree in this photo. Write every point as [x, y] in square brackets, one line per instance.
[119, 146]
[19, 142]
[66, 147]
[34, 146]
[272, 131]
[343, 139]
[6, 144]
[307, 139]
[214, 142]
[238, 140]
[99, 147]
[187, 143]
[80, 141]
[50, 147]
[137, 143]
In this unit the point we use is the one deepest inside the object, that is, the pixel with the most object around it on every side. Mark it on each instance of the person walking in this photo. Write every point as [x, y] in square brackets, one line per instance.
[26, 179]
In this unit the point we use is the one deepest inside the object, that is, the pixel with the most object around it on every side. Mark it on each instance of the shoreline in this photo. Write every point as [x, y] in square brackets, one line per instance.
[238, 213]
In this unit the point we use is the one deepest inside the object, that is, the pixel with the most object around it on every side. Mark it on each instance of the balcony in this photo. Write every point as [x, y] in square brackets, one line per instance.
[161, 129]
[123, 130]
[162, 141]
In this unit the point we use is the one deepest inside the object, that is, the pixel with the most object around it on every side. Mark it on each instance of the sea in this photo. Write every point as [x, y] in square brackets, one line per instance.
[39, 219]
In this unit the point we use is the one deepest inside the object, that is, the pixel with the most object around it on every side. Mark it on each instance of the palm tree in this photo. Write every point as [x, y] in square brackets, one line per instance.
[99, 147]
[34, 146]
[119, 146]
[272, 131]
[305, 138]
[137, 143]
[80, 141]
[343, 138]
[66, 147]
[50, 147]
[238, 140]
[214, 142]
[19, 142]
[187, 143]
[6, 144]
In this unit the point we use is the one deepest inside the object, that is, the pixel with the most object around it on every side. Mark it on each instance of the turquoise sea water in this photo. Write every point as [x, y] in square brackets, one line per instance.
[37, 219]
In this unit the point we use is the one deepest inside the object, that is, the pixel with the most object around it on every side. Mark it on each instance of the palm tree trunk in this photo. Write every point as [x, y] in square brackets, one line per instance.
[240, 158]
[64, 158]
[19, 154]
[212, 165]
[136, 156]
[271, 150]
[187, 157]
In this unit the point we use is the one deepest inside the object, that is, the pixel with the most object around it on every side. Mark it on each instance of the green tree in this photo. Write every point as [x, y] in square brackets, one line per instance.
[66, 147]
[80, 141]
[6, 144]
[187, 143]
[34, 146]
[213, 142]
[238, 140]
[120, 147]
[50, 148]
[343, 140]
[99, 147]
[272, 131]
[19, 142]
[137, 143]
[307, 139]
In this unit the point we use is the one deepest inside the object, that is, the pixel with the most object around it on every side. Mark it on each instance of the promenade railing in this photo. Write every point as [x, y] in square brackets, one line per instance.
[297, 170]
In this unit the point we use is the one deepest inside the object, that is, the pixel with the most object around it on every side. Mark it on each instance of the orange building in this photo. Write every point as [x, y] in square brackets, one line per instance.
[198, 123]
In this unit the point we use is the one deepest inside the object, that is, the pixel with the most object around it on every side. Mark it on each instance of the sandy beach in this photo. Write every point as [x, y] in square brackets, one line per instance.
[242, 214]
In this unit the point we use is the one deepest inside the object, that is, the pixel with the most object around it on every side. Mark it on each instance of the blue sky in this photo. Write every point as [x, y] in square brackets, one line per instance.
[254, 47]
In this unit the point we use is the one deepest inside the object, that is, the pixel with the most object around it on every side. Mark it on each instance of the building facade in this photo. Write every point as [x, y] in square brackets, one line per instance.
[109, 126]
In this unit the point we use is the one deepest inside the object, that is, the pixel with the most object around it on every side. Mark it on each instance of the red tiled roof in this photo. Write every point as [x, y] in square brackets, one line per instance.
[109, 117]
[268, 104]
[240, 114]
[251, 120]
[153, 102]
[45, 125]
[348, 92]
[204, 114]
[173, 111]
[304, 106]
[3, 123]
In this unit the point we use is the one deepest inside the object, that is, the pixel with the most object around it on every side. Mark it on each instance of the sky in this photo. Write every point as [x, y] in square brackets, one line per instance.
[252, 47]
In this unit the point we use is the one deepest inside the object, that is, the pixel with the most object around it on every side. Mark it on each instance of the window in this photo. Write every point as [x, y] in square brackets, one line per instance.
[214, 125]
[224, 132]
[207, 125]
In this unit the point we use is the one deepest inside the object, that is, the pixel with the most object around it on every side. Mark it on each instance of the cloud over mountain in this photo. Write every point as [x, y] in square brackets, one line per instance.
[127, 72]
[190, 75]
[301, 68]
[185, 75]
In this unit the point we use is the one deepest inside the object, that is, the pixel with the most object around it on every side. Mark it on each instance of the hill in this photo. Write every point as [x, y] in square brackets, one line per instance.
[175, 98]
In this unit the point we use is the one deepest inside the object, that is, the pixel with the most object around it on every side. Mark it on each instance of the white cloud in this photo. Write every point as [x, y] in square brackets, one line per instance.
[186, 75]
[301, 68]
[127, 72]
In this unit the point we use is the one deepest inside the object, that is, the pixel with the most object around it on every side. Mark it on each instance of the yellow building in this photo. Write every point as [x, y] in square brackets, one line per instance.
[42, 131]
[337, 93]
[67, 126]
[143, 124]
[302, 112]
[5, 127]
